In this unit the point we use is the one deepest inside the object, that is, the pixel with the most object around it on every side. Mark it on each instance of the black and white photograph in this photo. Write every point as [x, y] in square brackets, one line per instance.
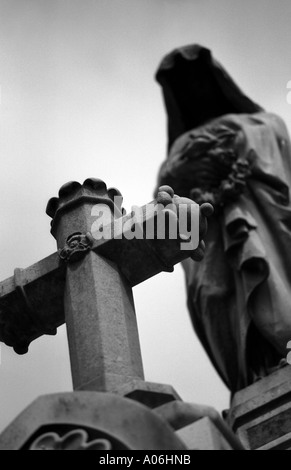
[145, 220]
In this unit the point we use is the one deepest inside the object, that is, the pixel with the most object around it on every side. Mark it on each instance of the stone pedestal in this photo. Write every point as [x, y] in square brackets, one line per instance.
[88, 421]
[260, 415]
[204, 435]
[198, 427]
[103, 421]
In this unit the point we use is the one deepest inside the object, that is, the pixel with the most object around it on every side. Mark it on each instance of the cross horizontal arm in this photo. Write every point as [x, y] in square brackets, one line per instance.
[33, 307]
[32, 301]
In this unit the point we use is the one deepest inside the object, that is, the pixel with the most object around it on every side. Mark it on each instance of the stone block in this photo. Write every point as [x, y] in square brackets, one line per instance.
[200, 426]
[88, 421]
[203, 435]
[260, 414]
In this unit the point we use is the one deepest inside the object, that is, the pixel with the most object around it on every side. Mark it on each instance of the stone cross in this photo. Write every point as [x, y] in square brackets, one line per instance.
[88, 284]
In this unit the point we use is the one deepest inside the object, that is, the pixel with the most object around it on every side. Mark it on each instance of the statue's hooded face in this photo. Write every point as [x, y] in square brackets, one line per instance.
[204, 144]
[197, 89]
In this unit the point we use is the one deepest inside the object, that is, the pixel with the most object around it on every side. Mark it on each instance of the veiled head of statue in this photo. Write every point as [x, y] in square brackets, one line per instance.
[197, 89]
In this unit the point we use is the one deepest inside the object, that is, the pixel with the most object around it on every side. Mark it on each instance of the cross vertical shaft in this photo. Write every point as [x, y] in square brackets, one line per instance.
[99, 309]
[101, 326]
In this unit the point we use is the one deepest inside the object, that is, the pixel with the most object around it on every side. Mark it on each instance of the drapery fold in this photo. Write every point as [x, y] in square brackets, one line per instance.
[239, 296]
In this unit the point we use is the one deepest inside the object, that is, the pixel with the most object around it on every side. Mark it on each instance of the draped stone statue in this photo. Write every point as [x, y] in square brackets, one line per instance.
[225, 149]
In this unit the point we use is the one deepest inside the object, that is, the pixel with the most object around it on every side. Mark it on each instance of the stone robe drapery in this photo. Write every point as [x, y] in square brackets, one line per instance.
[239, 296]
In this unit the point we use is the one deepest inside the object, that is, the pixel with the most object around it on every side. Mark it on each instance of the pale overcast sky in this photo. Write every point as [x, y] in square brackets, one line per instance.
[78, 99]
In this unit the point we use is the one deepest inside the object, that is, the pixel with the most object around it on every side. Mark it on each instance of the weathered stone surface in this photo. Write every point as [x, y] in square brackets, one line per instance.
[261, 414]
[73, 420]
[99, 309]
[101, 324]
[98, 304]
[182, 416]
[73, 208]
[203, 435]
[44, 282]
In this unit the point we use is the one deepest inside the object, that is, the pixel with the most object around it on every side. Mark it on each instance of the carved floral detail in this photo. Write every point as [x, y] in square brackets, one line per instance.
[74, 440]
[76, 247]
[229, 189]
[205, 165]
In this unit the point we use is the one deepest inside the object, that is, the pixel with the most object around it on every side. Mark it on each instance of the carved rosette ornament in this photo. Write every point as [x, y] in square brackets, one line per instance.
[77, 245]
[74, 440]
